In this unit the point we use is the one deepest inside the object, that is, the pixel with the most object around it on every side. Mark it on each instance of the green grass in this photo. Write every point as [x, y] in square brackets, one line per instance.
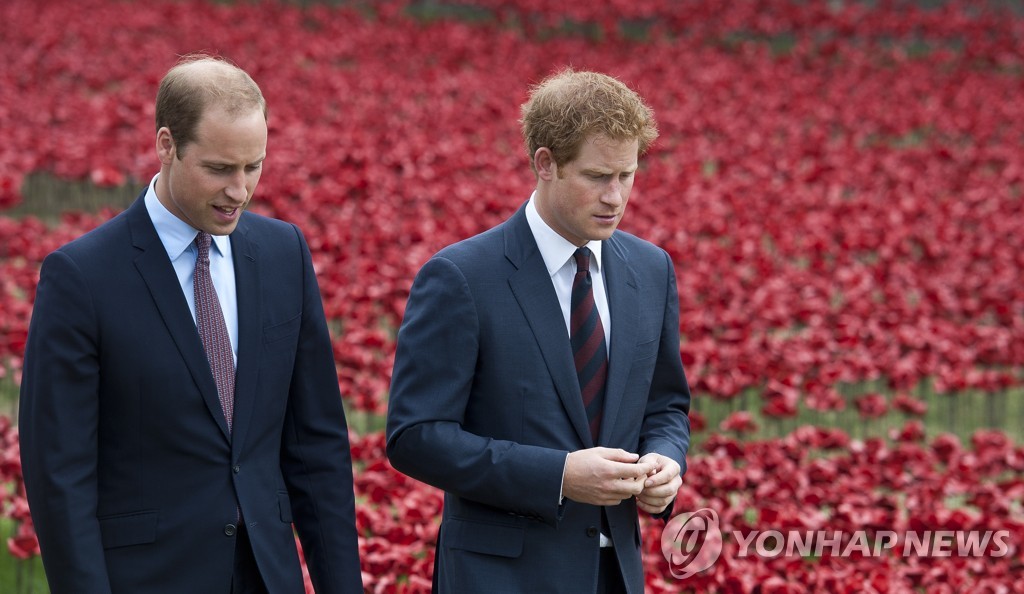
[8, 399]
[362, 422]
[961, 414]
[18, 576]
[47, 197]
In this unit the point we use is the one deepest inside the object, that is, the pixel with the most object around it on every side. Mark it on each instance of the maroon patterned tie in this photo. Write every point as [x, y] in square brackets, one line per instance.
[212, 329]
[587, 338]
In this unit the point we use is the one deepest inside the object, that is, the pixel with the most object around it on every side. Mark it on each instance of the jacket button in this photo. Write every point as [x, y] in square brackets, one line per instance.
[592, 532]
[236, 468]
[230, 530]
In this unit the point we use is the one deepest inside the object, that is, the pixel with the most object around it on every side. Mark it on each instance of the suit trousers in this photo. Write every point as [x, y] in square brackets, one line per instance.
[246, 578]
[609, 576]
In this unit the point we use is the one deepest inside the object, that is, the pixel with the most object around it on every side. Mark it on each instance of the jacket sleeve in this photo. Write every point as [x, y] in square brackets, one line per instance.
[315, 458]
[432, 382]
[666, 426]
[58, 425]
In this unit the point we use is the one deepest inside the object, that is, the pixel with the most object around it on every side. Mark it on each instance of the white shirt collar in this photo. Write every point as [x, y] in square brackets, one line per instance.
[555, 249]
[176, 235]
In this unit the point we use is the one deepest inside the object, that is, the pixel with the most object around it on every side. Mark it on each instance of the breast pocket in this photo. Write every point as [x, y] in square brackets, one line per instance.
[281, 335]
[646, 349]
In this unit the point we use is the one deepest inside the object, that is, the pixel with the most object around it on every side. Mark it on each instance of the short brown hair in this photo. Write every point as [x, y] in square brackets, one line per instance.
[193, 84]
[567, 107]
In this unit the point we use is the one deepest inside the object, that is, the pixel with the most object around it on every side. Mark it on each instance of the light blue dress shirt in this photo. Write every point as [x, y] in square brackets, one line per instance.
[179, 238]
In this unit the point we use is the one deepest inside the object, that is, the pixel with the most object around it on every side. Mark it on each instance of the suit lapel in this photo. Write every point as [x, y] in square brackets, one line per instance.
[532, 288]
[623, 304]
[158, 274]
[250, 329]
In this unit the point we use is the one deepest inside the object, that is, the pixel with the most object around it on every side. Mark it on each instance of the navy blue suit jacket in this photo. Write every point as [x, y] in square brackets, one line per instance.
[485, 404]
[133, 480]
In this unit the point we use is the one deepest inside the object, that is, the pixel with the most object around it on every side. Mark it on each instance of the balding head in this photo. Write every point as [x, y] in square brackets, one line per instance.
[197, 83]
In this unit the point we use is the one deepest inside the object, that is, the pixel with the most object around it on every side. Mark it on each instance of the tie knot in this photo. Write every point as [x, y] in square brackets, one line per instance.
[203, 240]
[582, 256]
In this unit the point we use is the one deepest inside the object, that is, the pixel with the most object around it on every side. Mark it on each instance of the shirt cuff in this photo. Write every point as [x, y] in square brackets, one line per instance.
[561, 496]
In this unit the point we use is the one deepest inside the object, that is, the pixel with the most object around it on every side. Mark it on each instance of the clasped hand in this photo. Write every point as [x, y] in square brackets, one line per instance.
[606, 476]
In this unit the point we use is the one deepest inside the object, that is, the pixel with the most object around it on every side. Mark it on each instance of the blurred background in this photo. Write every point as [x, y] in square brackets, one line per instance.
[839, 183]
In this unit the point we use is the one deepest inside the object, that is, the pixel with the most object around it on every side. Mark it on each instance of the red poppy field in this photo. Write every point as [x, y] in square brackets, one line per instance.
[840, 185]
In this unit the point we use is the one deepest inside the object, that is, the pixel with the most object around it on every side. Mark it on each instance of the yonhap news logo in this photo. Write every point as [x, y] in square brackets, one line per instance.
[693, 542]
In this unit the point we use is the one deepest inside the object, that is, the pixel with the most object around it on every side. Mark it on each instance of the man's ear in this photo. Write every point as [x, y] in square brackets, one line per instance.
[165, 146]
[544, 163]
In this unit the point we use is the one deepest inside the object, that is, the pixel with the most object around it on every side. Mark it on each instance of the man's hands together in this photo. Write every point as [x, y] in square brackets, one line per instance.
[606, 476]
[661, 486]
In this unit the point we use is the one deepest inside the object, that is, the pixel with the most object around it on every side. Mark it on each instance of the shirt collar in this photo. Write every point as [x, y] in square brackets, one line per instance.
[555, 249]
[175, 234]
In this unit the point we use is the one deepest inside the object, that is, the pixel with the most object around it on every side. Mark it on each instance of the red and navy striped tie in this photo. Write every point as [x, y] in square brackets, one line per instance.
[587, 338]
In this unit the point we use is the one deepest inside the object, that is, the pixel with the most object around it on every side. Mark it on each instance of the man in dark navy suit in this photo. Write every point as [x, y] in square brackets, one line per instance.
[537, 379]
[180, 406]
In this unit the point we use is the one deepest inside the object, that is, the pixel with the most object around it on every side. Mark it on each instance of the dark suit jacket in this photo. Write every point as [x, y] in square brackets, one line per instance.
[132, 477]
[485, 404]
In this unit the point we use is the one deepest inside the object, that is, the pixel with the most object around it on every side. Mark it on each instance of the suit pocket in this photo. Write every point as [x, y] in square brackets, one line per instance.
[277, 335]
[481, 537]
[285, 507]
[646, 350]
[125, 530]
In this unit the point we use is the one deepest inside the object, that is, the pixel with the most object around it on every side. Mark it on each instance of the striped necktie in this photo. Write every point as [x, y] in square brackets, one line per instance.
[588, 345]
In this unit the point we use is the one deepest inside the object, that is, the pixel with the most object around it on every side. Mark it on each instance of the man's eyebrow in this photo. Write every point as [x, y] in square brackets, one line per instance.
[218, 163]
[608, 170]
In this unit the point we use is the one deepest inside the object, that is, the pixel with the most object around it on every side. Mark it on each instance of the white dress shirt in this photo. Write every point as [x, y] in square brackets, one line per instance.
[558, 252]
